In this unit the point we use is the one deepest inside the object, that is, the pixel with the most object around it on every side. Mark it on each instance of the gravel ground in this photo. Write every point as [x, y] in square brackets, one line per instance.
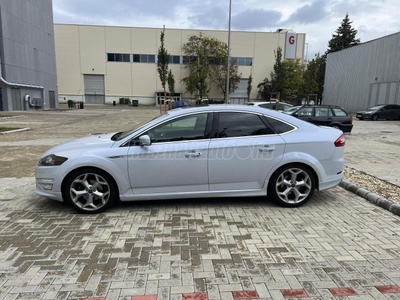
[373, 184]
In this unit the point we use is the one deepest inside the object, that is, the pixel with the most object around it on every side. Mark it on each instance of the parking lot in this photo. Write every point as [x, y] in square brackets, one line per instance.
[336, 246]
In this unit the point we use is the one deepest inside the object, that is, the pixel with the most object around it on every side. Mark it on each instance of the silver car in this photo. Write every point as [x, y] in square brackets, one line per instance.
[212, 151]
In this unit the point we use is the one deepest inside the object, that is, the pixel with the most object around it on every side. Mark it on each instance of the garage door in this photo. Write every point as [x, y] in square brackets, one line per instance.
[94, 89]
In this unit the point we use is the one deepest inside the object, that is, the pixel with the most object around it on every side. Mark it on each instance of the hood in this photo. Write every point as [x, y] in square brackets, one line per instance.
[98, 140]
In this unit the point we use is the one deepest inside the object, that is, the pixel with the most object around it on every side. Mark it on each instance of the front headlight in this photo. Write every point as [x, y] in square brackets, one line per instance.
[52, 160]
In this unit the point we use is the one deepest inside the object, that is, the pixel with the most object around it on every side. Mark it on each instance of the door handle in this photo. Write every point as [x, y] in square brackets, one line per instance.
[267, 149]
[193, 154]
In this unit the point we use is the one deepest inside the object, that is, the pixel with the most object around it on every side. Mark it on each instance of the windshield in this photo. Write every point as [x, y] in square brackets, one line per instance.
[291, 110]
[137, 127]
[375, 107]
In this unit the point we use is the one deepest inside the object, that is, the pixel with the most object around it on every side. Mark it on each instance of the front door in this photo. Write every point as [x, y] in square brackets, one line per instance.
[176, 161]
[242, 152]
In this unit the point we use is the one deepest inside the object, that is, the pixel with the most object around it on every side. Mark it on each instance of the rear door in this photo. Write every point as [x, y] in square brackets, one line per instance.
[396, 114]
[244, 148]
[322, 116]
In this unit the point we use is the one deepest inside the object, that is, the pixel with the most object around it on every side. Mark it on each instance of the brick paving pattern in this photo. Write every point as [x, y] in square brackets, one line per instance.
[338, 246]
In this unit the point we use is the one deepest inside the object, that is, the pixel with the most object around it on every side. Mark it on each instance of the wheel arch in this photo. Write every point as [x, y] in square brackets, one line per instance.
[66, 177]
[308, 166]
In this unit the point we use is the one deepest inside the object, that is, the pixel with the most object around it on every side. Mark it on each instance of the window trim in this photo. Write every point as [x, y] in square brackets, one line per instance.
[216, 125]
[207, 131]
[287, 123]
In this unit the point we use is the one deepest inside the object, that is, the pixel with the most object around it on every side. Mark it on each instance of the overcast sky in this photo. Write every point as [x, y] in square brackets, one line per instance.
[318, 19]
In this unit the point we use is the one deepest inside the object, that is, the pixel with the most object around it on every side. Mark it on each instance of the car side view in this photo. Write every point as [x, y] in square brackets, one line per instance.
[209, 151]
[380, 112]
[326, 115]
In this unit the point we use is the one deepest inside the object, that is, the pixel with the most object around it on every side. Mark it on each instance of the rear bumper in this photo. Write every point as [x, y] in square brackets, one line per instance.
[347, 127]
[331, 182]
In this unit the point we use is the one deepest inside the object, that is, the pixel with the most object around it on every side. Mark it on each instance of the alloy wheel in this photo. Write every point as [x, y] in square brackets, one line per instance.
[293, 186]
[89, 192]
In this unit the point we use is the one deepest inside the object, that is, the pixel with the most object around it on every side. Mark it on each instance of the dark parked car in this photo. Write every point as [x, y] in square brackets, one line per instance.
[181, 103]
[380, 111]
[326, 115]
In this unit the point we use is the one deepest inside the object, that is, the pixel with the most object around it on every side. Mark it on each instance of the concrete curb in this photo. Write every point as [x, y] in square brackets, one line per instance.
[14, 131]
[372, 197]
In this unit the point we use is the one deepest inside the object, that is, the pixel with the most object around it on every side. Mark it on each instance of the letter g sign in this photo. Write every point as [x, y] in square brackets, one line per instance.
[291, 40]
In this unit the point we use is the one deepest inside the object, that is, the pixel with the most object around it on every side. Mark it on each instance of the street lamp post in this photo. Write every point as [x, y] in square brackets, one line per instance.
[228, 63]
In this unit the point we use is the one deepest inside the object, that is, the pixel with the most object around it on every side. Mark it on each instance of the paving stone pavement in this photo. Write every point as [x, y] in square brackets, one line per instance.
[337, 246]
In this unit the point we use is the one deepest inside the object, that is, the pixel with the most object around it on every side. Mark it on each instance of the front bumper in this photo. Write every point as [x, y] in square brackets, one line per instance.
[48, 182]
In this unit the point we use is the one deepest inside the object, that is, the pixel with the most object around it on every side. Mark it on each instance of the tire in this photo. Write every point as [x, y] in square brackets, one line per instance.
[90, 185]
[375, 118]
[337, 126]
[281, 182]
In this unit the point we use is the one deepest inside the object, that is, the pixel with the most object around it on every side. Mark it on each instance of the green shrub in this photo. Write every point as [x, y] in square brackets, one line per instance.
[124, 101]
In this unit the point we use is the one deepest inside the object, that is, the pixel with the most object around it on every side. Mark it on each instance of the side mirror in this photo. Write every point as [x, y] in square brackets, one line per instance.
[145, 140]
[295, 115]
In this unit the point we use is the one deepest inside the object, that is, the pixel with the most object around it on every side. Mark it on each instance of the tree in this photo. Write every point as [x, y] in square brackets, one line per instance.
[277, 75]
[219, 73]
[205, 58]
[249, 87]
[310, 85]
[321, 66]
[171, 83]
[162, 63]
[344, 37]
[264, 90]
[292, 79]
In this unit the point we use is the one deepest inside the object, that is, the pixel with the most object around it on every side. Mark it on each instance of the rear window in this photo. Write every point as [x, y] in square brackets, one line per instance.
[339, 112]
[279, 126]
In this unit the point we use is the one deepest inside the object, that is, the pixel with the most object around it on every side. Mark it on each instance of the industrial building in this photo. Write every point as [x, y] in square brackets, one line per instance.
[28, 78]
[100, 64]
[364, 75]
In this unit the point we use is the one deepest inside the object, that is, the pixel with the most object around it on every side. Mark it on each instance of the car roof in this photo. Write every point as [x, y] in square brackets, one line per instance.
[240, 108]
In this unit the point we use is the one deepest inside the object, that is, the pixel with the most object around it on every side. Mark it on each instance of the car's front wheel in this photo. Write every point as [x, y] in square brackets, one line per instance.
[292, 185]
[90, 190]
[375, 117]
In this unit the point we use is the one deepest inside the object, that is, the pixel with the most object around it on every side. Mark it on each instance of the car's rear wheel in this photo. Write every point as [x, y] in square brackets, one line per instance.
[90, 190]
[337, 126]
[292, 185]
[375, 117]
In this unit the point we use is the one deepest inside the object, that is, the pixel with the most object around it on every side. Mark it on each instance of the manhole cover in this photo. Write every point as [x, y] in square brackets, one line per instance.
[385, 131]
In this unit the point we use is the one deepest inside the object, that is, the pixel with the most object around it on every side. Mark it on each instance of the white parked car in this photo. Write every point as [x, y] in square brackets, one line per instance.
[211, 151]
[271, 105]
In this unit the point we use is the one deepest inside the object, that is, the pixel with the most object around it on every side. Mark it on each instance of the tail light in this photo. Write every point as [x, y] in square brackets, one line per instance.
[351, 120]
[341, 141]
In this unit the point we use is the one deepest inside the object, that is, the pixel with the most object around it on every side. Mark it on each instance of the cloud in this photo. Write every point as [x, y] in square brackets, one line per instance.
[216, 18]
[107, 12]
[309, 13]
[256, 19]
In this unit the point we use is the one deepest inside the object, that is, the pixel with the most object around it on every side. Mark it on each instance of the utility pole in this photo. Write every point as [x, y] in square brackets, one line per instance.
[228, 63]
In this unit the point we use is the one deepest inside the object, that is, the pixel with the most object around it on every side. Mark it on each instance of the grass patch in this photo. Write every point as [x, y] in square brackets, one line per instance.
[2, 129]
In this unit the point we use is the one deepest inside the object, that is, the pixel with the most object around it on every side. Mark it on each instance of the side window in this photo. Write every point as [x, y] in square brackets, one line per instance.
[305, 112]
[232, 124]
[186, 128]
[322, 111]
[339, 112]
[264, 105]
[279, 126]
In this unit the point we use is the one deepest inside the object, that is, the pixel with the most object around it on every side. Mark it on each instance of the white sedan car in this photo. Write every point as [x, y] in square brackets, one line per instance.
[214, 151]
